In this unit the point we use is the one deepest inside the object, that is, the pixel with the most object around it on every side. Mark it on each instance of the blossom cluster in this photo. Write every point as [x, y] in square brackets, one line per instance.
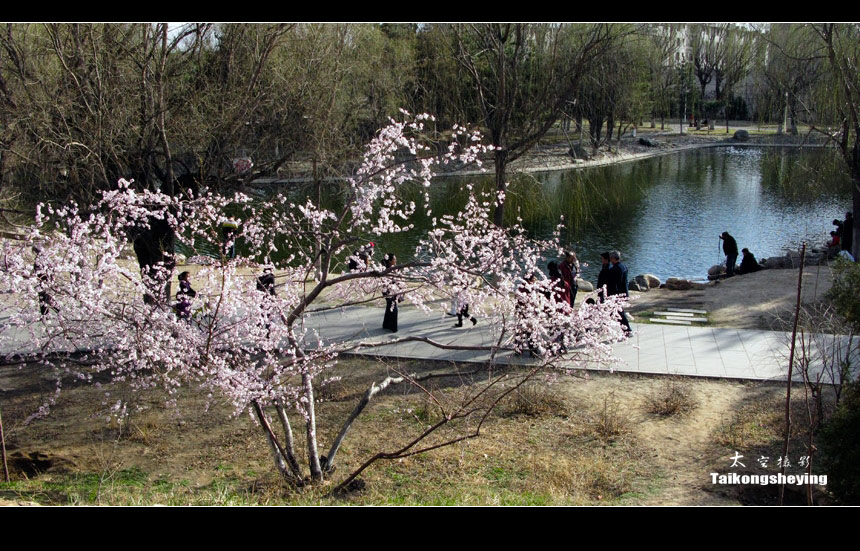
[73, 286]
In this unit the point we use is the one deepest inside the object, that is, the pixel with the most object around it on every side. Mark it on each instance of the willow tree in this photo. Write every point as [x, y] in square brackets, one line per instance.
[842, 47]
[832, 103]
[524, 76]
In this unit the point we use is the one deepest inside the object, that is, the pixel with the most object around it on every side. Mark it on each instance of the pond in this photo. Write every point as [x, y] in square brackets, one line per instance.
[665, 213]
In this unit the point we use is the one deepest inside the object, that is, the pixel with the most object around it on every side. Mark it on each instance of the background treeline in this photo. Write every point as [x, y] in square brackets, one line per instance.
[84, 104]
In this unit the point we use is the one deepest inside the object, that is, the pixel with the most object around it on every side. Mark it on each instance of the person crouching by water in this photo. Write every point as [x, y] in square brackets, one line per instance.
[748, 264]
[730, 248]
[392, 297]
[184, 296]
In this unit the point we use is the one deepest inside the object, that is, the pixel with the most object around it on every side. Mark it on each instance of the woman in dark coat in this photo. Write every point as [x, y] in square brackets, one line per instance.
[391, 298]
[561, 287]
[748, 264]
[184, 296]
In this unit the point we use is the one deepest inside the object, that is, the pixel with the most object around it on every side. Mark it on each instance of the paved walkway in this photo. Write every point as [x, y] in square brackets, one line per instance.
[654, 349]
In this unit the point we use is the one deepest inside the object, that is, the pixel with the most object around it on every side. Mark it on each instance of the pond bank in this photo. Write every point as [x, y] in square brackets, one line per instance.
[761, 300]
[545, 158]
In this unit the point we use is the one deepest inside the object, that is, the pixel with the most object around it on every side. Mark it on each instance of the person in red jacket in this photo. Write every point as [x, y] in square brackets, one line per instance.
[561, 291]
[569, 268]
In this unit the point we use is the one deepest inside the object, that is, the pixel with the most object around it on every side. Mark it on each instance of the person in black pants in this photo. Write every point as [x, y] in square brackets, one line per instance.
[184, 296]
[730, 248]
[618, 285]
[391, 298]
[603, 276]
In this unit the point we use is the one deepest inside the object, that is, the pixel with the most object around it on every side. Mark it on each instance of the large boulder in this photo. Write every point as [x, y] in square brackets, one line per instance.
[676, 284]
[634, 285]
[775, 263]
[741, 135]
[792, 260]
[584, 286]
[647, 142]
[815, 259]
[647, 281]
[653, 281]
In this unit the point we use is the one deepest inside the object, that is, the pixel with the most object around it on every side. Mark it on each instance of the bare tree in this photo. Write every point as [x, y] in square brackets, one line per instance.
[524, 76]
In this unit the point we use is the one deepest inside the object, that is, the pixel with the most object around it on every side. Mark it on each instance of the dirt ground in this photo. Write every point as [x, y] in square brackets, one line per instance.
[76, 455]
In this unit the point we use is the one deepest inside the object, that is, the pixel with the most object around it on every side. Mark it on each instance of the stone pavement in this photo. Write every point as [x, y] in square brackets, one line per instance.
[654, 349]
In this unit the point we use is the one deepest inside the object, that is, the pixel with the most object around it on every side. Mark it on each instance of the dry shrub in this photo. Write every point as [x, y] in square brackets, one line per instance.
[608, 423]
[759, 424]
[142, 432]
[674, 397]
[536, 400]
[585, 476]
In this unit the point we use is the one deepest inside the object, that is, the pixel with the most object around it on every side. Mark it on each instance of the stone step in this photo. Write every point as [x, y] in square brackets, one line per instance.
[703, 320]
[687, 310]
[674, 322]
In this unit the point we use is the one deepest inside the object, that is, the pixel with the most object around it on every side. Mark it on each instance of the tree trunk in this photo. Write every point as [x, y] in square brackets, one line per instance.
[855, 245]
[501, 166]
[274, 447]
[289, 445]
[313, 453]
[3, 449]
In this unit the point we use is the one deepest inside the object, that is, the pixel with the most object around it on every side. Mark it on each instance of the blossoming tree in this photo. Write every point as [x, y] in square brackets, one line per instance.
[74, 295]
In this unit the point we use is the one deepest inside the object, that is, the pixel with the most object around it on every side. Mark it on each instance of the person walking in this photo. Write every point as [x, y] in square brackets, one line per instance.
[730, 248]
[561, 290]
[569, 268]
[229, 232]
[46, 302]
[618, 286]
[392, 297]
[184, 296]
[266, 284]
[463, 308]
[603, 277]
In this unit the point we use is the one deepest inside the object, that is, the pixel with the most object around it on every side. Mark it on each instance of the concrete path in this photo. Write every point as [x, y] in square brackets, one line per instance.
[654, 349]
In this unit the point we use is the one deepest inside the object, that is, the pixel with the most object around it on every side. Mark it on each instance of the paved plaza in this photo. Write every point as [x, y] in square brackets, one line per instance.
[654, 349]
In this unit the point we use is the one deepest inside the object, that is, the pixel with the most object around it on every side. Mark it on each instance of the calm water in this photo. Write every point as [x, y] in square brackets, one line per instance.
[769, 200]
[665, 214]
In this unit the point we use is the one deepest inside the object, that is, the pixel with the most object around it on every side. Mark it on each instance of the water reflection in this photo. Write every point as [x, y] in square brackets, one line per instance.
[665, 214]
